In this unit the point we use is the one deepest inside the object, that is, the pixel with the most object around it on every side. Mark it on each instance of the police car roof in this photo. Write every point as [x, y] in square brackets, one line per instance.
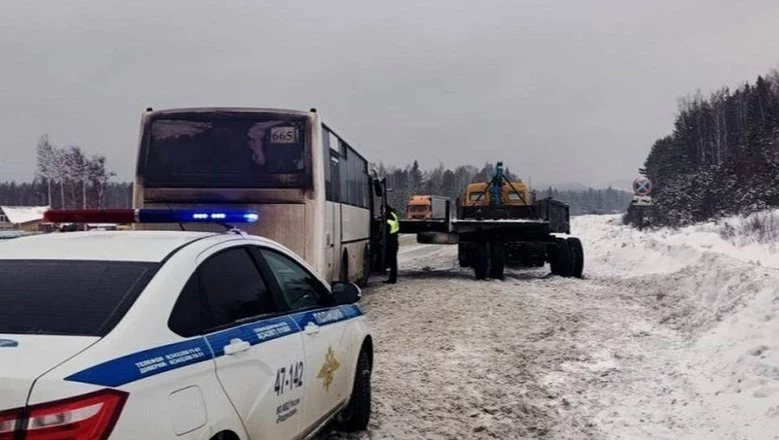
[150, 246]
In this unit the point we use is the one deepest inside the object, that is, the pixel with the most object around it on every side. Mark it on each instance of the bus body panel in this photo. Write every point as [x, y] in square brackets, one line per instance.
[355, 224]
[355, 239]
[283, 223]
[321, 222]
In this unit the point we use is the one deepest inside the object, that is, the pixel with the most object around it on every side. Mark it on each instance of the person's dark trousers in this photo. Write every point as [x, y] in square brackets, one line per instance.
[392, 258]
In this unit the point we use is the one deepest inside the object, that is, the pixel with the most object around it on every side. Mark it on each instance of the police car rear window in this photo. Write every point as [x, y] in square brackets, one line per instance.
[61, 297]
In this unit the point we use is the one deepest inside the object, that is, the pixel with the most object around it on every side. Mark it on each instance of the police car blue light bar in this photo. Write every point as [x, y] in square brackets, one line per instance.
[146, 215]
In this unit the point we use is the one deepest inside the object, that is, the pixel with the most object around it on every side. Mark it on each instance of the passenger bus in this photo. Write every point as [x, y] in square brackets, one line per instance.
[314, 193]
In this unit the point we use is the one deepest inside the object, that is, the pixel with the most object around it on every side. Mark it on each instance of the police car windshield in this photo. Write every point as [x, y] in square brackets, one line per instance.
[225, 150]
[62, 297]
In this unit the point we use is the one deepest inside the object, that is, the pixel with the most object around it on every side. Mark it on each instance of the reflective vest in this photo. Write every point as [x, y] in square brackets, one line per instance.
[393, 223]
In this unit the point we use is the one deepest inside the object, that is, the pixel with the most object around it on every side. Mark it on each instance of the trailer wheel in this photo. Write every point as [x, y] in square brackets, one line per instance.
[480, 260]
[561, 261]
[554, 260]
[462, 256]
[577, 257]
[497, 260]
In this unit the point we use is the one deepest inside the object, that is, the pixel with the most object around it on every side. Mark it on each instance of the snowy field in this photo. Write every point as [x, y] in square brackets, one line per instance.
[671, 335]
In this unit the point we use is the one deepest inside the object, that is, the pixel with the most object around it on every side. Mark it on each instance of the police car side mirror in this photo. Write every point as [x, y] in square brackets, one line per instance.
[346, 293]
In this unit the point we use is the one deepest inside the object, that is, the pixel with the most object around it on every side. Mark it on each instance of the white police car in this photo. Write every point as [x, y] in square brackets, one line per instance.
[172, 334]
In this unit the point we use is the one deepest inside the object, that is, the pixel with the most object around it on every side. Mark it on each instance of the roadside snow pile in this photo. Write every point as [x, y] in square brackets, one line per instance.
[701, 295]
[717, 285]
[760, 228]
[693, 277]
[612, 248]
[735, 367]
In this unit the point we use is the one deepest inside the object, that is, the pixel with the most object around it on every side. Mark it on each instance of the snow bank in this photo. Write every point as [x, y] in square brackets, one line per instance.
[611, 248]
[616, 249]
[717, 286]
[735, 367]
[23, 214]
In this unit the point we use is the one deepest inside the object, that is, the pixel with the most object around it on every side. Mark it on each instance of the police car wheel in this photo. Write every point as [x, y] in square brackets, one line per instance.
[357, 413]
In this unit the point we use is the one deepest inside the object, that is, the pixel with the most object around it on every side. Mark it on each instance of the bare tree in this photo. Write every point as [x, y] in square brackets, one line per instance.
[99, 176]
[59, 172]
[46, 164]
[78, 173]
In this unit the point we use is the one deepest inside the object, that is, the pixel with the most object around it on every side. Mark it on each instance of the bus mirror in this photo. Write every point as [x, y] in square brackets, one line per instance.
[346, 293]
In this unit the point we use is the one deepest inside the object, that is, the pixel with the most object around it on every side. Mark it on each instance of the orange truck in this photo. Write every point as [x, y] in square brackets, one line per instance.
[426, 207]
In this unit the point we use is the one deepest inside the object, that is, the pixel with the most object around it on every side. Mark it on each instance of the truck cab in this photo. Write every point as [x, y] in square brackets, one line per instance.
[515, 194]
[426, 207]
[418, 208]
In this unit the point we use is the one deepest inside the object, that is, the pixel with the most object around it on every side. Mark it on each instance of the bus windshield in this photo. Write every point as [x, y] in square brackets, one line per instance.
[214, 150]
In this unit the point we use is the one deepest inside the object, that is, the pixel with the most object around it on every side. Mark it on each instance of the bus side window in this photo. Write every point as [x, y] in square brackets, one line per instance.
[326, 162]
[355, 182]
[335, 176]
[331, 164]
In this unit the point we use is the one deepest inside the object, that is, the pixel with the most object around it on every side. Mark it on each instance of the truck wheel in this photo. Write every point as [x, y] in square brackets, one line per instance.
[497, 260]
[480, 261]
[561, 262]
[577, 257]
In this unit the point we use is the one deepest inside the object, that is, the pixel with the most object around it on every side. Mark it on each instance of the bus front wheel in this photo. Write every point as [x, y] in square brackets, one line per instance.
[345, 268]
[366, 267]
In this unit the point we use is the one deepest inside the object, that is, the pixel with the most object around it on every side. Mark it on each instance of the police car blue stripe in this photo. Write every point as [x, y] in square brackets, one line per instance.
[166, 358]
[136, 366]
[328, 316]
[254, 333]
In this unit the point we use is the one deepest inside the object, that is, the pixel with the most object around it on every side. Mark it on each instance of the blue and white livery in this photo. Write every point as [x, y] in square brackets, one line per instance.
[175, 335]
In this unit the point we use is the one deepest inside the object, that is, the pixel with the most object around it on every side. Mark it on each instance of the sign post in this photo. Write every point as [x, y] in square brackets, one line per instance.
[642, 203]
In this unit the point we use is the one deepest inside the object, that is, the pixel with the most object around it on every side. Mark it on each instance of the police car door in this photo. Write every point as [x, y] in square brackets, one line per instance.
[323, 329]
[258, 353]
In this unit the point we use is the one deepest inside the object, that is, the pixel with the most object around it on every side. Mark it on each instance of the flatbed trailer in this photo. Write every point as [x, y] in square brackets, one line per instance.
[490, 237]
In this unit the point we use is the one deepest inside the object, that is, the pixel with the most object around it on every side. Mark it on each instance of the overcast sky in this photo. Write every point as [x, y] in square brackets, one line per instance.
[562, 91]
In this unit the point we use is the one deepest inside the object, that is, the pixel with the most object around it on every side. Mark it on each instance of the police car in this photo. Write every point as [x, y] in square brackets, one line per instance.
[174, 334]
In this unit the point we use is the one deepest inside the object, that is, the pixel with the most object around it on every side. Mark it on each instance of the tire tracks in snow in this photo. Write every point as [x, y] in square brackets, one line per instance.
[534, 356]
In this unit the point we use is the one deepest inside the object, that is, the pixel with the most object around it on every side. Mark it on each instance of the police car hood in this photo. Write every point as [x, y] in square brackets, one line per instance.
[25, 358]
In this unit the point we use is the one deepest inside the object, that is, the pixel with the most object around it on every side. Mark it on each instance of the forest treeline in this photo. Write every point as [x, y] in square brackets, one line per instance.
[67, 178]
[721, 158]
[403, 182]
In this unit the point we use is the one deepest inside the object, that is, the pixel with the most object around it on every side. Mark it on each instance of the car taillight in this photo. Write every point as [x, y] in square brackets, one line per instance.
[87, 417]
[8, 422]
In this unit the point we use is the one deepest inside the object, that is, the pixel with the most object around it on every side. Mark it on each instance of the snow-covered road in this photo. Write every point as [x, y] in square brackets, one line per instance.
[663, 339]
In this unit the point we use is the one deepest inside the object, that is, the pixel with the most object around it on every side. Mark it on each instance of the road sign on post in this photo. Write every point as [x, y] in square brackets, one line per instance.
[642, 186]
[641, 201]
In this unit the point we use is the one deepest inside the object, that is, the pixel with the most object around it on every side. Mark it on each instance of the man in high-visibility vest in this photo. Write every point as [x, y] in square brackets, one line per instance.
[393, 228]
